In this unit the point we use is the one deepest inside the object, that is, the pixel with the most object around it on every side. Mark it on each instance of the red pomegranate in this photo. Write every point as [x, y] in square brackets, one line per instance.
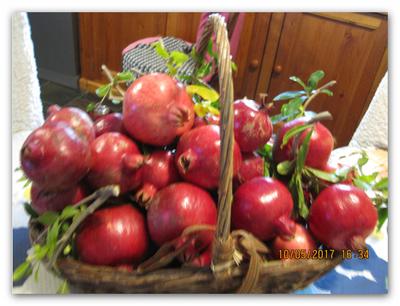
[198, 156]
[108, 123]
[76, 118]
[177, 207]
[301, 241]
[113, 236]
[52, 109]
[54, 157]
[158, 171]
[320, 147]
[252, 166]
[157, 109]
[262, 206]
[252, 126]
[43, 201]
[342, 216]
[116, 160]
[207, 119]
[193, 257]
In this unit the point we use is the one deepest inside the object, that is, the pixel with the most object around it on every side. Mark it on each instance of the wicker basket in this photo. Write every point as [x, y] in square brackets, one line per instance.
[224, 275]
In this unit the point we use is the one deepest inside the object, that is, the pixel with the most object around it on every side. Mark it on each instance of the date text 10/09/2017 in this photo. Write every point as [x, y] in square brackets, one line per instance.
[322, 254]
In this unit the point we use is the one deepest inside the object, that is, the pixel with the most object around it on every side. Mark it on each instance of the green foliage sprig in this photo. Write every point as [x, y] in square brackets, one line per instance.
[300, 99]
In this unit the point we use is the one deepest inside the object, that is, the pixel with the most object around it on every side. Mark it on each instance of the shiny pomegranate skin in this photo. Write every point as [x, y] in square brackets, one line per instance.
[76, 118]
[157, 109]
[54, 157]
[207, 119]
[158, 171]
[342, 216]
[113, 236]
[252, 166]
[198, 156]
[263, 206]
[108, 123]
[301, 240]
[177, 207]
[116, 160]
[43, 201]
[320, 147]
[252, 126]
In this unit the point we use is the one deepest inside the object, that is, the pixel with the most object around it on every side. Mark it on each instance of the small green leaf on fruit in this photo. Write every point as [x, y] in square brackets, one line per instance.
[293, 132]
[126, 76]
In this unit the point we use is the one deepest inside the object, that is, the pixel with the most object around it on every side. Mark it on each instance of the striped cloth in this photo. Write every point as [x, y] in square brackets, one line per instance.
[144, 58]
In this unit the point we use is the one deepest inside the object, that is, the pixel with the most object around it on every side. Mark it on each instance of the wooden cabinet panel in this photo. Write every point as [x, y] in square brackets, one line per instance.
[347, 51]
[183, 25]
[103, 36]
[250, 54]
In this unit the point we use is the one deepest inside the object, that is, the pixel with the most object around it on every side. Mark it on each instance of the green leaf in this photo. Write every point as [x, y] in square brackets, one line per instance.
[369, 179]
[362, 160]
[69, 212]
[298, 81]
[234, 66]
[361, 184]
[103, 90]
[205, 92]
[289, 95]
[22, 270]
[285, 167]
[30, 211]
[293, 132]
[179, 58]
[204, 70]
[64, 288]
[266, 171]
[90, 107]
[383, 184]
[67, 250]
[126, 76]
[314, 79]
[210, 50]
[36, 273]
[48, 218]
[382, 217]
[40, 251]
[302, 151]
[160, 49]
[52, 237]
[327, 92]
[326, 176]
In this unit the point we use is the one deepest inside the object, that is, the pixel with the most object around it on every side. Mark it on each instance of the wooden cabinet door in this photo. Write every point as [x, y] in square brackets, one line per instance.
[349, 47]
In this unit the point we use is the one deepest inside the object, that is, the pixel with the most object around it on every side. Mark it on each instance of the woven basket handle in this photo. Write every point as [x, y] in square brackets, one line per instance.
[222, 248]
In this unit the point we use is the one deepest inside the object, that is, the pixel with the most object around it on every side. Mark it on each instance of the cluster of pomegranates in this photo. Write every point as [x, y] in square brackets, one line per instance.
[173, 186]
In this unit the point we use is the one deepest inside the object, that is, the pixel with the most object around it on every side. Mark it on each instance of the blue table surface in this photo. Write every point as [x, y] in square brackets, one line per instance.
[353, 276]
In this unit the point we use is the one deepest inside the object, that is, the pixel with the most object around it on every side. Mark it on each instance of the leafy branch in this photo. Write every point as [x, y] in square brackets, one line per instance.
[60, 227]
[299, 100]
